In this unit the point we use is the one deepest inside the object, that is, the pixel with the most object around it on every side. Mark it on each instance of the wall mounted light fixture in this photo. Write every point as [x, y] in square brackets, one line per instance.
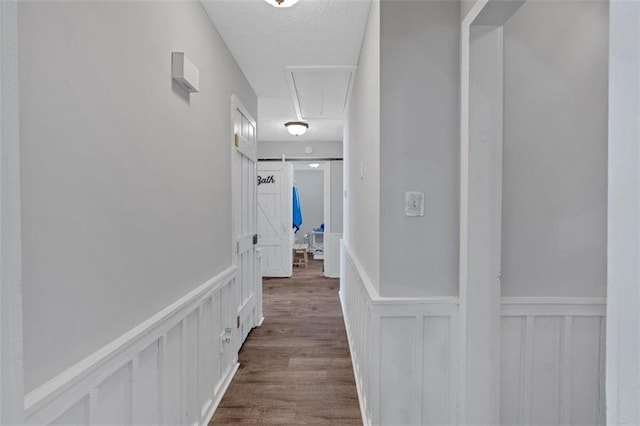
[296, 128]
[184, 72]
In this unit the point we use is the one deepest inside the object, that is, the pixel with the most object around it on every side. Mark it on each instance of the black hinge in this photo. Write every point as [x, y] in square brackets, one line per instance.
[255, 239]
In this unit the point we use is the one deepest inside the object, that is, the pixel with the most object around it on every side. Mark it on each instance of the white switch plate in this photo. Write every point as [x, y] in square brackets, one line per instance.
[414, 203]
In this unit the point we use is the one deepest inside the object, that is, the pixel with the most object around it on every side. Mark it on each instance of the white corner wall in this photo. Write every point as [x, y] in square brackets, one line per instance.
[125, 194]
[403, 321]
[419, 148]
[405, 331]
[362, 154]
[623, 274]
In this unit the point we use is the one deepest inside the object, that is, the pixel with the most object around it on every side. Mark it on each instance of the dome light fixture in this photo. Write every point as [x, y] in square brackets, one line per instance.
[282, 3]
[314, 165]
[296, 128]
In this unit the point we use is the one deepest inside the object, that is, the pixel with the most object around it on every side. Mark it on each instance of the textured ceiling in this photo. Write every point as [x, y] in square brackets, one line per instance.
[266, 40]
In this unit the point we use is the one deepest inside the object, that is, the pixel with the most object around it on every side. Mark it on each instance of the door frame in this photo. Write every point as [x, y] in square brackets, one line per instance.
[481, 139]
[11, 330]
[478, 298]
[623, 216]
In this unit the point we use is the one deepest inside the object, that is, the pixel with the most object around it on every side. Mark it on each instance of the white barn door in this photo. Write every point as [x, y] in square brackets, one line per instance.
[245, 152]
[275, 207]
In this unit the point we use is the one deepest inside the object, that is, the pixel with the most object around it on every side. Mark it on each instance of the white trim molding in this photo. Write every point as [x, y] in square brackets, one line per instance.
[481, 145]
[171, 369]
[404, 351]
[11, 360]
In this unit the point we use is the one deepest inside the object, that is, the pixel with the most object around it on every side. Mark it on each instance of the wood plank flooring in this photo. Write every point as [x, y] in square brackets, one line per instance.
[296, 368]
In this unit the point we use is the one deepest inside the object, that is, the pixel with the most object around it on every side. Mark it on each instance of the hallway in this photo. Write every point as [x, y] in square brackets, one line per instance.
[296, 367]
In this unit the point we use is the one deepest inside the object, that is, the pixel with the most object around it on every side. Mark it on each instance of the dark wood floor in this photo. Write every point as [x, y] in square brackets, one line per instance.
[295, 369]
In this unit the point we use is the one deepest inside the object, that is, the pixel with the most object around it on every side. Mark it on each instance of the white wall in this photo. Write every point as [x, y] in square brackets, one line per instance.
[337, 196]
[295, 149]
[419, 146]
[126, 179]
[623, 292]
[310, 185]
[555, 150]
[362, 154]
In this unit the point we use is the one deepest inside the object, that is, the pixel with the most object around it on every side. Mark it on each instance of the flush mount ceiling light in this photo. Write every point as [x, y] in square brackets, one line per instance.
[296, 128]
[314, 165]
[282, 3]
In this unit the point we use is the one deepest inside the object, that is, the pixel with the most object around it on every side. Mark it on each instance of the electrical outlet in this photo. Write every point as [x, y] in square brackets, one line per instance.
[414, 203]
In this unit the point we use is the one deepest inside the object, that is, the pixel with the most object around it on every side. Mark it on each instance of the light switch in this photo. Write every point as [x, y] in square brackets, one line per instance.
[414, 203]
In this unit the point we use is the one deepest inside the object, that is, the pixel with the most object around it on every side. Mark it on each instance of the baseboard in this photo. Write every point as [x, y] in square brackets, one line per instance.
[153, 365]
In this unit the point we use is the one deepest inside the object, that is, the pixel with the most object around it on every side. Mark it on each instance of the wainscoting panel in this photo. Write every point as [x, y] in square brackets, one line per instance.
[404, 352]
[552, 361]
[172, 376]
[110, 402]
[332, 255]
[76, 415]
[438, 392]
[146, 388]
[405, 356]
[397, 335]
[171, 369]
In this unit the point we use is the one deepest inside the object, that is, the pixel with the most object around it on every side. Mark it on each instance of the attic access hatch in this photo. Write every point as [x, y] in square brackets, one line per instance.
[320, 92]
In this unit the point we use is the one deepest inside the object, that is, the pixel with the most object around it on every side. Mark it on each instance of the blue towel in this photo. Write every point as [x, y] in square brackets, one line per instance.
[297, 213]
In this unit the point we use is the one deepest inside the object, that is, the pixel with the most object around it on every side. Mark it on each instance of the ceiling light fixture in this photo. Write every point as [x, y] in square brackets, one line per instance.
[314, 165]
[296, 128]
[282, 3]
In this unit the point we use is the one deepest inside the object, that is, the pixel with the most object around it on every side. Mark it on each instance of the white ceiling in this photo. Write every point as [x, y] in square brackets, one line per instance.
[268, 43]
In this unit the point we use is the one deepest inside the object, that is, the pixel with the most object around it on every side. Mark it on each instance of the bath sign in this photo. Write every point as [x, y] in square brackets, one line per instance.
[268, 179]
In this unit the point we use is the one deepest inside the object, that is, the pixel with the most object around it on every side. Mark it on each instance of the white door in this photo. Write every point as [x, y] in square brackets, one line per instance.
[244, 219]
[275, 215]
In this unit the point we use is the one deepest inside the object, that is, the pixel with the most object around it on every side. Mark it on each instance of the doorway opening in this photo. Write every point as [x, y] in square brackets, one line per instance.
[300, 215]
